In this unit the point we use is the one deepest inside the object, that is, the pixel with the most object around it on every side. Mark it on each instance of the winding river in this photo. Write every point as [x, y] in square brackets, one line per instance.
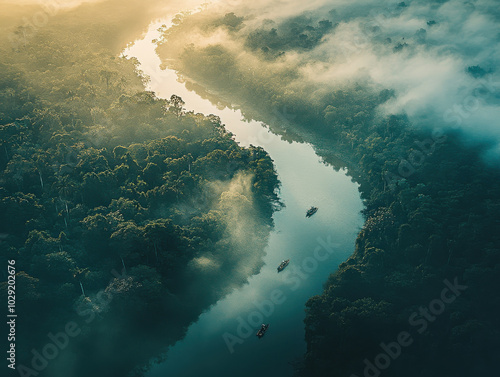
[222, 342]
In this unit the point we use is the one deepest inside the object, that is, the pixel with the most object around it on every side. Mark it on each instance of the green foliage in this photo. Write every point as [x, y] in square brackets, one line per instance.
[438, 222]
[297, 33]
[98, 175]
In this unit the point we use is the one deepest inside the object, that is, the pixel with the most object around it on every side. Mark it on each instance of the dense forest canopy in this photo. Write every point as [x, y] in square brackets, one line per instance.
[432, 197]
[125, 211]
[125, 214]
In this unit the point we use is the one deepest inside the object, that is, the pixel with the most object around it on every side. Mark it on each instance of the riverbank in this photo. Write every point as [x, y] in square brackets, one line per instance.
[222, 340]
[431, 200]
[126, 216]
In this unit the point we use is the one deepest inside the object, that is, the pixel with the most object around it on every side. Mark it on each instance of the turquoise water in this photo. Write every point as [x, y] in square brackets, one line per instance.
[222, 342]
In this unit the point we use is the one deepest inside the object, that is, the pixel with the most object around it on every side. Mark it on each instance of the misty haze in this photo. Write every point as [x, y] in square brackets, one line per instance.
[265, 188]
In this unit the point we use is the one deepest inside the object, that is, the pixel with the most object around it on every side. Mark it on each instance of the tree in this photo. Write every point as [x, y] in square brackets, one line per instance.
[108, 76]
[176, 105]
[126, 241]
[16, 210]
[55, 267]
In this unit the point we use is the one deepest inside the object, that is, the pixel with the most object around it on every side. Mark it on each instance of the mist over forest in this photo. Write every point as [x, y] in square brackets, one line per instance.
[409, 48]
[125, 214]
[405, 96]
[130, 216]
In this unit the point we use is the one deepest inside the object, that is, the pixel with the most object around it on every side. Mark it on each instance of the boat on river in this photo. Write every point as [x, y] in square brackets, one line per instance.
[282, 265]
[262, 330]
[311, 211]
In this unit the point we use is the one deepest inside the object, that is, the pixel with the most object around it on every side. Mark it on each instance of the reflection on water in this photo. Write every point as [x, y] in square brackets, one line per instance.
[223, 342]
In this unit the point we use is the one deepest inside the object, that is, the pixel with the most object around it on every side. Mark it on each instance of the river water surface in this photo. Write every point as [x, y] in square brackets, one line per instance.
[219, 343]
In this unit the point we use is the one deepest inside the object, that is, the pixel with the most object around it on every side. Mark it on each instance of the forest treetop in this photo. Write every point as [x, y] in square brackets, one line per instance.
[98, 175]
